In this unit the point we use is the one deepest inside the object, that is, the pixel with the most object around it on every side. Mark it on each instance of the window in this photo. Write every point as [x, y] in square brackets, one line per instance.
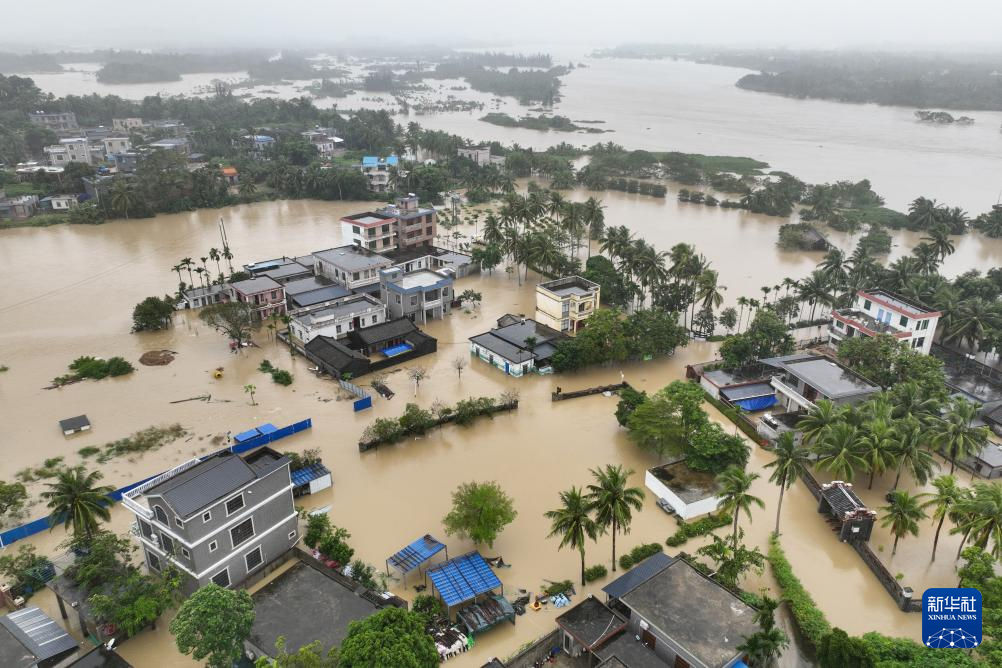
[839, 324]
[212, 546]
[253, 559]
[414, 300]
[867, 304]
[206, 516]
[292, 535]
[178, 522]
[903, 321]
[222, 578]
[145, 529]
[429, 231]
[354, 276]
[153, 561]
[355, 229]
[919, 342]
[397, 298]
[185, 553]
[375, 319]
[166, 543]
[234, 504]
[242, 532]
[161, 516]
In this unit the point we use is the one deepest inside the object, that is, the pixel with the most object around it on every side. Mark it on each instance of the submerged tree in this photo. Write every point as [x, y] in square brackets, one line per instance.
[613, 501]
[573, 523]
[234, 319]
[77, 501]
[213, 624]
[480, 511]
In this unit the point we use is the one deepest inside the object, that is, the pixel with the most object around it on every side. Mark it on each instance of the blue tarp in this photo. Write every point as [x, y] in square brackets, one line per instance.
[463, 578]
[415, 554]
[308, 474]
[399, 349]
[267, 428]
[757, 403]
[246, 435]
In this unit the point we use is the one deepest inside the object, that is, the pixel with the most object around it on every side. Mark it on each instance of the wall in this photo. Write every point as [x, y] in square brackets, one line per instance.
[516, 370]
[684, 510]
[538, 651]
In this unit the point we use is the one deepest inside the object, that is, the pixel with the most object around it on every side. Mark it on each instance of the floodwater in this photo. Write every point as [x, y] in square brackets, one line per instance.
[676, 105]
[70, 292]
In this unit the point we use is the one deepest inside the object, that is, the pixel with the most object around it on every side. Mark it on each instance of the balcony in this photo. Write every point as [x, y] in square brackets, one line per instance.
[130, 499]
[793, 394]
[865, 323]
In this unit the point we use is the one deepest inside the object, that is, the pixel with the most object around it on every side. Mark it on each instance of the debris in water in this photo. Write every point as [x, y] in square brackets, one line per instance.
[157, 357]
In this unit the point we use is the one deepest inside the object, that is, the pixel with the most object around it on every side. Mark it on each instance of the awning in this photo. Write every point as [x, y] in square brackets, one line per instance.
[463, 578]
[757, 403]
[415, 554]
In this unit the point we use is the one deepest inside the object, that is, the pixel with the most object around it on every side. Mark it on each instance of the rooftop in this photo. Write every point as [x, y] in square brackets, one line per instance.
[991, 454]
[191, 489]
[896, 301]
[509, 340]
[868, 321]
[824, 374]
[703, 618]
[29, 636]
[637, 575]
[305, 605]
[625, 651]
[841, 498]
[570, 286]
[687, 484]
[255, 285]
[590, 622]
[290, 269]
[384, 331]
[346, 307]
[352, 258]
[368, 218]
[422, 278]
[301, 285]
[331, 351]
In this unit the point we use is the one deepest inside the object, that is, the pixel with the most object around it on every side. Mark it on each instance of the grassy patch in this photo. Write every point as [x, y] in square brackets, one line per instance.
[95, 369]
[89, 451]
[595, 572]
[144, 440]
[719, 163]
[280, 376]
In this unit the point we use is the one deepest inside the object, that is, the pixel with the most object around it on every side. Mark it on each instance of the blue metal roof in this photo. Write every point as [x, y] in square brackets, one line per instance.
[246, 435]
[370, 160]
[637, 575]
[308, 474]
[463, 578]
[267, 428]
[415, 554]
[392, 160]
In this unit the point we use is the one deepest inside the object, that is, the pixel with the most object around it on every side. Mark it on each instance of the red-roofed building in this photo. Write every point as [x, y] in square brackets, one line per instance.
[876, 312]
[231, 175]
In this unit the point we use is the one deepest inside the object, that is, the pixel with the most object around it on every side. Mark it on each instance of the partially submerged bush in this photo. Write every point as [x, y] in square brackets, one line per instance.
[596, 572]
[638, 554]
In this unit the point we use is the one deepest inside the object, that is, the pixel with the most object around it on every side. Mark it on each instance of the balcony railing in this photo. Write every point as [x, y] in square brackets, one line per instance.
[129, 499]
[792, 394]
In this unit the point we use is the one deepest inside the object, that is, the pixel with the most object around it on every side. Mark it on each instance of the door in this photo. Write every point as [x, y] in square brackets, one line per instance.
[648, 639]
[680, 662]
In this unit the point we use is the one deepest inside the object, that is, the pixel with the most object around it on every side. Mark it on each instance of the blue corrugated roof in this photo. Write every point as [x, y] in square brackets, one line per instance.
[370, 160]
[392, 160]
[637, 575]
[308, 474]
[415, 554]
[246, 435]
[267, 428]
[463, 578]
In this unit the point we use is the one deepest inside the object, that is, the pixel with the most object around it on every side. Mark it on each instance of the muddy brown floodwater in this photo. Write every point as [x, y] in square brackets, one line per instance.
[70, 291]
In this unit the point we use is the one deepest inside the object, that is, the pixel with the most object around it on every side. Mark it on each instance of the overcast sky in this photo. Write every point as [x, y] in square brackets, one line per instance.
[583, 24]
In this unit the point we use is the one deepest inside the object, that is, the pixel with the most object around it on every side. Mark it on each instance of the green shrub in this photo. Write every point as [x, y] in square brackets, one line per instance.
[811, 621]
[428, 607]
[700, 527]
[557, 587]
[282, 377]
[595, 572]
[95, 369]
[638, 554]
[317, 526]
[89, 451]
[144, 440]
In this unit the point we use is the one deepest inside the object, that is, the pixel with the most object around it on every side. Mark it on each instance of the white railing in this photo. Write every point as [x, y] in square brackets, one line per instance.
[792, 394]
[129, 498]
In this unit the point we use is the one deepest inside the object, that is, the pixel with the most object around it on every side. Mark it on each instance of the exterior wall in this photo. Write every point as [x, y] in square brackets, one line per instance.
[116, 145]
[509, 367]
[56, 121]
[685, 510]
[919, 332]
[417, 230]
[268, 501]
[338, 326]
[567, 313]
[712, 389]
[378, 237]
[416, 303]
[351, 280]
[59, 155]
[126, 124]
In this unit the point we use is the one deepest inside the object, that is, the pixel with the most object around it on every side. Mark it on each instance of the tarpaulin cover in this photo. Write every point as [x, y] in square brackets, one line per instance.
[757, 403]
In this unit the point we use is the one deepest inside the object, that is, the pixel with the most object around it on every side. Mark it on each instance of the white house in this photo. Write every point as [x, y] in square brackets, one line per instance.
[74, 149]
[336, 320]
[882, 312]
[689, 493]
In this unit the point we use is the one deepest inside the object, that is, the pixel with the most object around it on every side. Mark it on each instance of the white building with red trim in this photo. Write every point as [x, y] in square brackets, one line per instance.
[877, 312]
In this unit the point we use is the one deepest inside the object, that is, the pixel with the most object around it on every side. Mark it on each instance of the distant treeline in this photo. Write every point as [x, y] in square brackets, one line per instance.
[500, 59]
[528, 87]
[543, 123]
[29, 63]
[949, 81]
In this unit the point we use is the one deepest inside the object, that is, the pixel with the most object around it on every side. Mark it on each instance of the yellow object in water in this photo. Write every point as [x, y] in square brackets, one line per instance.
[217, 374]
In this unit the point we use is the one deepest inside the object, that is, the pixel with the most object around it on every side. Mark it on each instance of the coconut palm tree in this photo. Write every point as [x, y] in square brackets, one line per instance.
[815, 290]
[742, 303]
[613, 501]
[735, 495]
[927, 259]
[911, 453]
[984, 523]
[976, 318]
[573, 523]
[790, 463]
[123, 197]
[616, 241]
[77, 501]
[924, 213]
[186, 263]
[708, 292]
[876, 447]
[939, 239]
[763, 647]
[948, 493]
[216, 257]
[910, 400]
[177, 268]
[594, 219]
[954, 431]
[839, 451]
[834, 269]
[902, 514]
[990, 224]
[819, 420]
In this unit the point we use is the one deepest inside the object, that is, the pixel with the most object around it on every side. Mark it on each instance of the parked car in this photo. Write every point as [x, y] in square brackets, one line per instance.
[665, 506]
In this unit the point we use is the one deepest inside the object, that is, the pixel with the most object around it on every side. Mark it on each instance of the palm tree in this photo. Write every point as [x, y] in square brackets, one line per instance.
[123, 197]
[948, 493]
[955, 433]
[764, 646]
[911, 453]
[984, 523]
[76, 501]
[819, 420]
[927, 259]
[833, 268]
[735, 495]
[924, 213]
[976, 318]
[186, 263]
[815, 290]
[573, 523]
[902, 514]
[790, 463]
[839, 451]
[742, 302]
[708, 292]
[939, 239]
[177, 268]
[251, 389]
[910, 400]
[594, 219]
[612, 501]
[877, 447]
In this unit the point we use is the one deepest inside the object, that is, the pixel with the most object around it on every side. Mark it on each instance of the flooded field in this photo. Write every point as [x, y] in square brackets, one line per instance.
[71, 290]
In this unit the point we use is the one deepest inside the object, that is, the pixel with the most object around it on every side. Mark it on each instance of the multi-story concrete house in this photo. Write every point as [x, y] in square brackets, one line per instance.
[421, 295]
[481, 155]
[350, 266]
[377, 171]
[338, 319]
[127, 125]
[73, 149]
[113, 145]
[59, 120]
[59, 202]
[264, 295]
[565, 303]
[373, 230]
[324, 141]
[18, 208]
[220, 520]
[878, 312]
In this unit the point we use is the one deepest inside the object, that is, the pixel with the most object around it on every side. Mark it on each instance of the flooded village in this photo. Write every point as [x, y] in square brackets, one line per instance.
[366, 404]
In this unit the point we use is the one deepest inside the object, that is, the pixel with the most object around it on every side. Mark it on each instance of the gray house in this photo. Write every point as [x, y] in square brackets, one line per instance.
[421, 295]
[222, 520]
